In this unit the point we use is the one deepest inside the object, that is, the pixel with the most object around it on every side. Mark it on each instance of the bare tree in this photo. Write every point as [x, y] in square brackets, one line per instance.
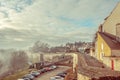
[39, 47]
[23, 59]
[18, 60]
[1, 64]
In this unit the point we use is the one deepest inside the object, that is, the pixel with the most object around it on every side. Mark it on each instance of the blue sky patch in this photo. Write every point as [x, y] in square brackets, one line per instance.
[83, 23]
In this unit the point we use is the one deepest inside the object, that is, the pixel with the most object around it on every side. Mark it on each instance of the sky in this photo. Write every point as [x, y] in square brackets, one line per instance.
[56, 22]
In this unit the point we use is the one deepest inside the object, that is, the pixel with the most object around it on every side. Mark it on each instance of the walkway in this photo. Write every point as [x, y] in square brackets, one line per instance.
[94, 69]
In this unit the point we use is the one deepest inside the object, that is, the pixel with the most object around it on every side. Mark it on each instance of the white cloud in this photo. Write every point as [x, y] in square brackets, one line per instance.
[18, 39]
[42, 20]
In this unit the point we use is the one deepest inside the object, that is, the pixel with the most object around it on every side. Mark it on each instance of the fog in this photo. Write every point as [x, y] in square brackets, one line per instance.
[11, 61]
[5, 56]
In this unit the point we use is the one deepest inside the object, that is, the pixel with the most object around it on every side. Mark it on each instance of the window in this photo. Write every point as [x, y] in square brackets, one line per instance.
[101, 55]
[102, 46]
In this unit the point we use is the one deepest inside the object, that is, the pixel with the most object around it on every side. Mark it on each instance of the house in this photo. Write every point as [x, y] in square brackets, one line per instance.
[112, 22]
[107, 42]
[87, 67]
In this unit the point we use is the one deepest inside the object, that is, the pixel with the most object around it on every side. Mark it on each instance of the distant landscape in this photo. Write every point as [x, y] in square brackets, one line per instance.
[12, 60]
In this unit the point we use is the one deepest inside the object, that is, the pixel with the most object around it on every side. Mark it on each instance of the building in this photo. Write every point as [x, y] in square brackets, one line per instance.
[107, 42]
[112, 22]
[87, 67]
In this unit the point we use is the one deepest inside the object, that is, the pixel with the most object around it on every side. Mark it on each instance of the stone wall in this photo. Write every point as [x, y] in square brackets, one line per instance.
[82, 77]
[116, 62]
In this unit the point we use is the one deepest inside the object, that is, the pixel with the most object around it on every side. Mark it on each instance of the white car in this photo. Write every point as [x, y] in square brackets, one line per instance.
[24, 79]
[35, 73]
[30, 76]
[20, 79]
[53, 67]
[56, 78]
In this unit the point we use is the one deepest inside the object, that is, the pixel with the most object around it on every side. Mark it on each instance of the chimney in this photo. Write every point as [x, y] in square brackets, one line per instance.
[100, 28]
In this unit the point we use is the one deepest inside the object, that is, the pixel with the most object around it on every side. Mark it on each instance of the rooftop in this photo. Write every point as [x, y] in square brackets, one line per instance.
[110, 40]
[94, 69]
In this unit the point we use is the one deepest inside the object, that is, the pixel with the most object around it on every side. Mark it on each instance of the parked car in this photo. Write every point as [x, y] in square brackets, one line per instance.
[30, 76]
[53, 67]
[24, 79]
[20, 79]
[42, 70]
[35, 73]
[47, 68]
[61, 75]
[56, 78]
[64, 72]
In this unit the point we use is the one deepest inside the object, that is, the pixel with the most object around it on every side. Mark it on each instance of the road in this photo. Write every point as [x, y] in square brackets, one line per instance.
[47, 75]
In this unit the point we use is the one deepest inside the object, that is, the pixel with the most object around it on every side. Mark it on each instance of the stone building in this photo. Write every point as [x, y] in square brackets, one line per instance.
[107, 42]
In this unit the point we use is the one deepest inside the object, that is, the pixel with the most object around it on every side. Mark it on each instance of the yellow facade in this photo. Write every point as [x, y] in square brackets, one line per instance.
[102, 48]
[104, 54]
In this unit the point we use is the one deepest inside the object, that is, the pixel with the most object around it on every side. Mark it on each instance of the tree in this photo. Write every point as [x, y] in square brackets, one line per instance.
[23, 59]
[39, 47]
[1, 64]
[18, 60]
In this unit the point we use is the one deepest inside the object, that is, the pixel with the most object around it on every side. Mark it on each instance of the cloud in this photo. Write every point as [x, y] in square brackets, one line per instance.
[25, 21]
[18, 39]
